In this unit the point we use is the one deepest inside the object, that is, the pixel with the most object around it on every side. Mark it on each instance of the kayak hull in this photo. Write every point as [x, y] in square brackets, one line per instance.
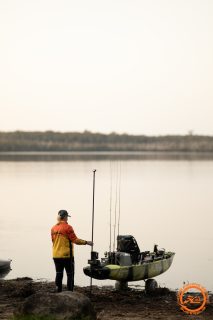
[135, 272]
[4, 265]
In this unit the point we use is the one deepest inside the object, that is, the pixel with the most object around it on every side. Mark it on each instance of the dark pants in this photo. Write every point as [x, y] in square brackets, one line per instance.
[68, 265]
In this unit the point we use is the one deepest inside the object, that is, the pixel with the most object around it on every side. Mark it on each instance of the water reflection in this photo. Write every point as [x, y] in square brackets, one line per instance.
[100, 156]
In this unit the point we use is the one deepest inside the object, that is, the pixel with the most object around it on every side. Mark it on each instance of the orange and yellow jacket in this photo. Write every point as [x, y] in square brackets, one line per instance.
[63, 237]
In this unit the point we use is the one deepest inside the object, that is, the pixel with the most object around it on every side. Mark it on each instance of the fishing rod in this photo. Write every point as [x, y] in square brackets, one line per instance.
[116, 197]
[93, 209]
[110, 210]
[117, 203]
[119, 200]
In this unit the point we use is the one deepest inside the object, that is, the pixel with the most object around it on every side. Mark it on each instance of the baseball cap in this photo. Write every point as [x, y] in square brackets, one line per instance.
[63, 213]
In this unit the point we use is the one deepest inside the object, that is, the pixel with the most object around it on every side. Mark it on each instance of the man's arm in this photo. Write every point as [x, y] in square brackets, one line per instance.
[72, 236]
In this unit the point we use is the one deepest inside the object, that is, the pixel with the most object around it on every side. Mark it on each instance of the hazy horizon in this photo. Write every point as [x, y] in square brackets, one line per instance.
[135, 67]
[108, 133]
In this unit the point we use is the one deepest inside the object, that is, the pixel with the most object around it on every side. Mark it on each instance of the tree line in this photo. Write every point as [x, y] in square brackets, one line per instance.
[50, 141]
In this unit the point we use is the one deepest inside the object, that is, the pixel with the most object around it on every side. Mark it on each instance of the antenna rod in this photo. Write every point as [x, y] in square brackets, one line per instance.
[93, 208]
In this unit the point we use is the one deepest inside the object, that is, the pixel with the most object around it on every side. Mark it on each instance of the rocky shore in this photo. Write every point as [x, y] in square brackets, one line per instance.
[107, 303]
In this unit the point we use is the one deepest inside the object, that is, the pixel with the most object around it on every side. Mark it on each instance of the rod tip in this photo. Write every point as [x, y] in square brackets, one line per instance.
[94, 170]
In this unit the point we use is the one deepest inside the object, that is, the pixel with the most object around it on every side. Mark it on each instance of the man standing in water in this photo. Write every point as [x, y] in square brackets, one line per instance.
[63, 237]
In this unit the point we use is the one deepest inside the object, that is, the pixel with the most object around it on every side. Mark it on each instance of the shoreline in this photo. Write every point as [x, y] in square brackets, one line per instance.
[108, 303]
[48, 156]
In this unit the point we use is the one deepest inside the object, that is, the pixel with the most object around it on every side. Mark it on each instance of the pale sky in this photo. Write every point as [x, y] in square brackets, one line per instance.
[134, 66]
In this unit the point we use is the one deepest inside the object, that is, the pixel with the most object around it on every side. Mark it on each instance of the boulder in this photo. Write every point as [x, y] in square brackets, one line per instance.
[66, 305]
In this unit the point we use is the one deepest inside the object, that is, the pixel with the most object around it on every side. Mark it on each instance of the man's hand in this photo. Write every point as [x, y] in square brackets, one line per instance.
[90, 243]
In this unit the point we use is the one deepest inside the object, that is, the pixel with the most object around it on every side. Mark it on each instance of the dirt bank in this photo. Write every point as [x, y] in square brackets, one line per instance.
[108, 303]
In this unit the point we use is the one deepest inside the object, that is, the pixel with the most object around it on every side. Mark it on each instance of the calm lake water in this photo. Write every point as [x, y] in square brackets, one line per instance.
[164, 201]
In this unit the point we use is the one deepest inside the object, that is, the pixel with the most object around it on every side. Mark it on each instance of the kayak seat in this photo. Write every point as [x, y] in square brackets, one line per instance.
[128, 244]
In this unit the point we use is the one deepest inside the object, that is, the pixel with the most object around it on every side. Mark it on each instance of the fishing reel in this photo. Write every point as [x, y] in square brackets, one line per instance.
[94, 262]
[158, 252]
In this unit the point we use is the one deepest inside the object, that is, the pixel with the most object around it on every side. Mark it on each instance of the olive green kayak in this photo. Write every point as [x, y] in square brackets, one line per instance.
[144, 270]
[127, 263]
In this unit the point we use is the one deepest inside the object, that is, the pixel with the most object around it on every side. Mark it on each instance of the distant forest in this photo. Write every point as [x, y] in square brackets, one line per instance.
[88, 141]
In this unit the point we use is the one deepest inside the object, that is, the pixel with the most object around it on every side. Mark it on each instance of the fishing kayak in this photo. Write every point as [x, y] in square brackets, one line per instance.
[127, 263]
[148, 268]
